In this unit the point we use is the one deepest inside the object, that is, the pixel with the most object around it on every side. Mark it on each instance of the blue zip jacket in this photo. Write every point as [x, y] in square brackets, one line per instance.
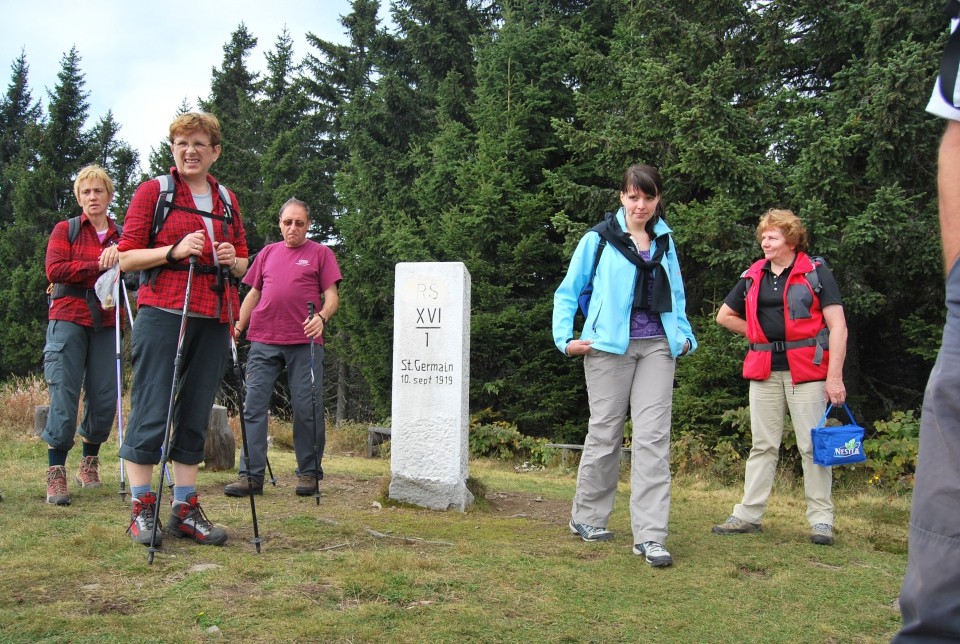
[608, 321]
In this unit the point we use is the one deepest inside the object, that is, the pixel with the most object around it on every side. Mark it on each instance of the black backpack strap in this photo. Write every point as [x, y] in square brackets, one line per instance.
[73, 229]
[164, 201]
[950, 63]
[227, 209]
[813, 277]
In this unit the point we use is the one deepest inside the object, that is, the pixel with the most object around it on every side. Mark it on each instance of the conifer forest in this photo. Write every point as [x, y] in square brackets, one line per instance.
[496, 133]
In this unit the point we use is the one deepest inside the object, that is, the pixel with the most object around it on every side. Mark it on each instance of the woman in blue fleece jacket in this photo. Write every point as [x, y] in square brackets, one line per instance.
[636, 326]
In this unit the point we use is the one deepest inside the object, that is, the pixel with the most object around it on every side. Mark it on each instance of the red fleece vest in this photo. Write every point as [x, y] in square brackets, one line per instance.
[756, 366]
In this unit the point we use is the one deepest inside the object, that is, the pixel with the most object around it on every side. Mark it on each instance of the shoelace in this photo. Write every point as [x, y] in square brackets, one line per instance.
[199, 517]
[653, 548]
[59, 484]
[146, 513]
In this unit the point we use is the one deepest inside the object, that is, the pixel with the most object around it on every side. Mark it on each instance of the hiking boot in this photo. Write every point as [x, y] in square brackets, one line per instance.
[187, 519]
[88, 476]
[306, 485]
[654, 554]
[244, 487]
[57, 485]
[822, 534]
[736, 525]
[589, 532]
[141, 520]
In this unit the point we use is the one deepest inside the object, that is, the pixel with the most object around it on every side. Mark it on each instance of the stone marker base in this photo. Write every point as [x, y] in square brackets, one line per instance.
[431, 493]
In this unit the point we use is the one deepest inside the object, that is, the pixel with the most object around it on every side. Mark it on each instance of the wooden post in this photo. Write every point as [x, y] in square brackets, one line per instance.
[220, 450]
[40, 413]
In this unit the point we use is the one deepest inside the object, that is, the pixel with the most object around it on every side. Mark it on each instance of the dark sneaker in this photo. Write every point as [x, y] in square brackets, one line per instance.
[141, 520]
[306, 485]
[88, 475]
[187, 519]
[589, 532]
[822, 534]
[736, 525]
[57, 485]
[654, 554]
[244, 487]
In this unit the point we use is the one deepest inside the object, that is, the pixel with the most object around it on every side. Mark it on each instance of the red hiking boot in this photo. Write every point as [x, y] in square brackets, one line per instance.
[187, 519]
[57, 485]
[88, 476]
[141, 520]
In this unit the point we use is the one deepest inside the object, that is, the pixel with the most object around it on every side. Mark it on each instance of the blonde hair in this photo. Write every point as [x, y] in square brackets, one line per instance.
[788, 223]
[194, 121]
[92, 173]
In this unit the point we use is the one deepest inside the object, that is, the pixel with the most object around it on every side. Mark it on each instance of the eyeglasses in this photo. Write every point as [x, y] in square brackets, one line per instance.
[183, 146]
[293, 222]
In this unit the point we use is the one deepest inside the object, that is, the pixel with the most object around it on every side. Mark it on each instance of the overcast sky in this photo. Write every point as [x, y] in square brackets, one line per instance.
[142, 59]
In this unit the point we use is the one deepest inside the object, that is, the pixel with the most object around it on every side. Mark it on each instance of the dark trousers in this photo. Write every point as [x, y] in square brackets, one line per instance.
[205, 345]
[265, 362]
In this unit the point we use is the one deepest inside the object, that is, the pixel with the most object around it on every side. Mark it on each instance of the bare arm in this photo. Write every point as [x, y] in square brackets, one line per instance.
[728, 319]
[837, 323]
[948, 181]
[249, 303]
[331, 303]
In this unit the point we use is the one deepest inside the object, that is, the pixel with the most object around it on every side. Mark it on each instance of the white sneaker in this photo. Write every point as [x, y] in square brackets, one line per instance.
[589, 532]
[654, 553]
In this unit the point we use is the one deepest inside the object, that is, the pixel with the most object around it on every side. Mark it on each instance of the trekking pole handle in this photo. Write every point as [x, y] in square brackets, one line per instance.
[310, 310]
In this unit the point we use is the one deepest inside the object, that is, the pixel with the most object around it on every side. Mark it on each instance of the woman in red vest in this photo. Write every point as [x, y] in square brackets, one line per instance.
[788, 306]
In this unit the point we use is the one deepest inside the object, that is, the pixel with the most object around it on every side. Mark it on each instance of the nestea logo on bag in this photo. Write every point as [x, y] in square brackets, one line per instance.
[848, 449]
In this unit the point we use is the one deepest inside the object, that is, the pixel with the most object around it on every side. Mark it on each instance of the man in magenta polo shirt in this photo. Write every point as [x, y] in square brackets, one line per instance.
[283, 279]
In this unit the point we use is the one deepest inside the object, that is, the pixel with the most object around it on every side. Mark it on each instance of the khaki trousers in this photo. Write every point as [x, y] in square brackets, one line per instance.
[639, 382]
[769, 401]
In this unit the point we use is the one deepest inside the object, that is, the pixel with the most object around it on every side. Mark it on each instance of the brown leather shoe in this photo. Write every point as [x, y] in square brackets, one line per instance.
[242, 487]
[307, 485]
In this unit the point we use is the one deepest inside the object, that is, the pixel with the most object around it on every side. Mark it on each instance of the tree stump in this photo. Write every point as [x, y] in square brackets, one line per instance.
[220, 450]
[40, 413]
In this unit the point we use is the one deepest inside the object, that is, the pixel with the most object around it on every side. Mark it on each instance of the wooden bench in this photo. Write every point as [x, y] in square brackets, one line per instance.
[566, 448]
[376, 436]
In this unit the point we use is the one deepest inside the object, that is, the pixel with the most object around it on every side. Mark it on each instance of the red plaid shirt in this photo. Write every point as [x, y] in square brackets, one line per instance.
[170, 285]
[77, 265]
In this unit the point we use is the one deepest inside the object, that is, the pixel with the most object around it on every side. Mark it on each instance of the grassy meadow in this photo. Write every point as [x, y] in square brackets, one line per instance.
[358, 568]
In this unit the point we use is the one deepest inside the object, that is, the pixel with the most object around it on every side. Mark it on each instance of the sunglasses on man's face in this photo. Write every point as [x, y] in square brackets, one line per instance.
[293, 222]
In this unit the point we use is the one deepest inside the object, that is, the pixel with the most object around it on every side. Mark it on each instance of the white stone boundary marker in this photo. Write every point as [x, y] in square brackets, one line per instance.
[430, 419]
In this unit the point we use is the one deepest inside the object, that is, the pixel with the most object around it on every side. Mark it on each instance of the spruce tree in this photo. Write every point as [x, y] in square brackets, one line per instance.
[18, 113]
[233, 100]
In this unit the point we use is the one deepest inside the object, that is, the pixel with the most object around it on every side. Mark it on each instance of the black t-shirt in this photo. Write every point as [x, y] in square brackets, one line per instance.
[770, 311]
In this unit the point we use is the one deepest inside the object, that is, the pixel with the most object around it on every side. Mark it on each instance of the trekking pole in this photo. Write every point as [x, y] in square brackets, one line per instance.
[238, 373]
[126, 299]
[273, 479]
[116, 332]
[177, 362]
[313, 402]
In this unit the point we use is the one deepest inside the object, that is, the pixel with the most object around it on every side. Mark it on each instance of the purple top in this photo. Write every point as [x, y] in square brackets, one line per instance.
[645, 323]
[287, 279]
